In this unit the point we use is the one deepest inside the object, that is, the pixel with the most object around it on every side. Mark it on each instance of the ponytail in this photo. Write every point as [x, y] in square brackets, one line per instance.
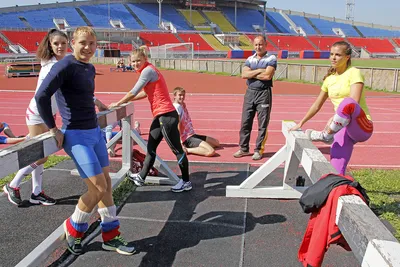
[45, 51]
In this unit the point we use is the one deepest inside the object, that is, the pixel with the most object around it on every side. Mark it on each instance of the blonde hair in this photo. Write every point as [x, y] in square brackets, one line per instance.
[141, 52]
[347, 52]
[84, 30]
[179, 90]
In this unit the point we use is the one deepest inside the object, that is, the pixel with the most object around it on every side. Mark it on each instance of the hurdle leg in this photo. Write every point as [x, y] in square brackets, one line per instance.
[159, 164]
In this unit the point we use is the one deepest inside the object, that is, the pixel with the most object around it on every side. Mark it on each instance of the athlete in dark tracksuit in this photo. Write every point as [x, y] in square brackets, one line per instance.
[258, 98]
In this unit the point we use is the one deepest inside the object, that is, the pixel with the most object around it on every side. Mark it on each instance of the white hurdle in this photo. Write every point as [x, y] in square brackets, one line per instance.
[297, 150]
[371, 242]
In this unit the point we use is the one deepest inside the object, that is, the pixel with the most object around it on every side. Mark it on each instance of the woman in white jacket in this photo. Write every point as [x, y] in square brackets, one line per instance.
[52, 48]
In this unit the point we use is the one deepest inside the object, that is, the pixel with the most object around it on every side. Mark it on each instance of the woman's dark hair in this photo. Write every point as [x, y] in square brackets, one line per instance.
[44, 50]
[347, 51]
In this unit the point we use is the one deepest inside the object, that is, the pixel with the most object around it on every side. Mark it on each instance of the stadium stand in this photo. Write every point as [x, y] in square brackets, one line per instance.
[11, 20]
[2, 46]
[245, 43]
[156, 39]
[373, 45]
[324, 43]
[148, 14]
[374, 32]
[198, 21]
[248, 18]
[397, 41]
[214, 42]
[28, 39]
[326, 27]
[98, 15]
[196, 39]
[280, 22]
[291, 43]
[44, 18]
[303, 23]
[219, 19]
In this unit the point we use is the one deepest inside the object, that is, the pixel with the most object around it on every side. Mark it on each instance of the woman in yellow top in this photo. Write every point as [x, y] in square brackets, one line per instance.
[352, 123]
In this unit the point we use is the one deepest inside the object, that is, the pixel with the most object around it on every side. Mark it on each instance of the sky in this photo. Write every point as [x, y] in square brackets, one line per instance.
[385, 12]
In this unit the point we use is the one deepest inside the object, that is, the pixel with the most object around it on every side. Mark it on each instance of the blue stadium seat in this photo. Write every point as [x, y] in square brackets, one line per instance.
[280, 22]
[248, 17]
[148, 14]
[300, 21]
[44, 18]
[99, 17]
[373, 32]
[11, 20]
[325, 27]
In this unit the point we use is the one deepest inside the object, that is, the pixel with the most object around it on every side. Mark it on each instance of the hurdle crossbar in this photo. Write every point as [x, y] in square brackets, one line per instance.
[371, 242]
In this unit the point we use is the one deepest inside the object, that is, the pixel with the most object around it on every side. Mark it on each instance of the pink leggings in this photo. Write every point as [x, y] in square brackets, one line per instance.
[359, 129]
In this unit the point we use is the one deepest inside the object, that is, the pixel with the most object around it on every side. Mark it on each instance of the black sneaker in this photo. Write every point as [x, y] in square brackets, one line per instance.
[136, 179]
[43, 199]
[13, 194]
[119, 245]
[74, 244]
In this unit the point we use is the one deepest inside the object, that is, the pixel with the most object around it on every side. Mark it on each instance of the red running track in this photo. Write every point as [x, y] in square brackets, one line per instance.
[219, 116]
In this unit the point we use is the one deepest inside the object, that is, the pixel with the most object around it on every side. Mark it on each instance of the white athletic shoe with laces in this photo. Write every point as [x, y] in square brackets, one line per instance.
[182, 186]
[318, 136]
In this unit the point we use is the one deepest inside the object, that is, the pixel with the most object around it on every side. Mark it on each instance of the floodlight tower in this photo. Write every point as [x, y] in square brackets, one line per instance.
[350, 5]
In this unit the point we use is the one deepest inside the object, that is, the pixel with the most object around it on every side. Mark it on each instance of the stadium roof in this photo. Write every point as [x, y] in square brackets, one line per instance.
[254, 2]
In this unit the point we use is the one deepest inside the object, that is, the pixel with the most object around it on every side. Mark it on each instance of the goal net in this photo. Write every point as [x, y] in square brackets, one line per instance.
[172, 51]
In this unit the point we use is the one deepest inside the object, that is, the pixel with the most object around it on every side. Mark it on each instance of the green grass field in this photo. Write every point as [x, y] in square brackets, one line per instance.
[368, 63]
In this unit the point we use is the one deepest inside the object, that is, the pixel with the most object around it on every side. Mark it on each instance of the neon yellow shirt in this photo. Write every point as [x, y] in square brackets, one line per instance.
[338, 87]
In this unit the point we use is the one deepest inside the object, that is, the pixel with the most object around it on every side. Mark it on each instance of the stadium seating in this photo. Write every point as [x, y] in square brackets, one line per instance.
[156, 39]
[300, 21]
[245, 43]
[197, 18]
[326, 27]
[280, 22]
[291, 43]
[11, 20]
[148, 14]
[214, 42]
[373, 32]
[2, 46]
[44, 18]
[324, 43]
[373, 45]
[28, 39]
[99, 17]
[219, 19]
[397, 41]
[246, 18]
[196, 39]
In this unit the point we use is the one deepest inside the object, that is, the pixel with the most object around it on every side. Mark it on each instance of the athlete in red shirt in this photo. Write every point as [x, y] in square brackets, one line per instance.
[151, 84]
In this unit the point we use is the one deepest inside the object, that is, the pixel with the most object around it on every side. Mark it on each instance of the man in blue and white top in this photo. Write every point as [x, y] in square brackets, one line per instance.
[258, 70]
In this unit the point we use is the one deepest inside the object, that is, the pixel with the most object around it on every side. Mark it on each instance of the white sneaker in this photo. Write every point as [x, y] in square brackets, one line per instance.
[135, 178]
[182, 186]
[137, 127]
[318, 136]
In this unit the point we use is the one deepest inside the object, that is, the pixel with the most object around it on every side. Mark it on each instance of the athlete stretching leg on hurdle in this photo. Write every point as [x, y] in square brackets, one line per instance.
[165, 122]
[72, 80]
[352, 122]
[51, 49]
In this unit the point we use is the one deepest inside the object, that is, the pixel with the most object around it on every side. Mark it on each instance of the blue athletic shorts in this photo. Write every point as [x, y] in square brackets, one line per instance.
[88, 150]
[3, 139]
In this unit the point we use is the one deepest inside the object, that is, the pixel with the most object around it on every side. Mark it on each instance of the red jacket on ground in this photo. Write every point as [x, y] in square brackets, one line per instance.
[322, 230]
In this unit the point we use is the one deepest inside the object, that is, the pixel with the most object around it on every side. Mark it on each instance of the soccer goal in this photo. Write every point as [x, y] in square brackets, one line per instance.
[173, 51]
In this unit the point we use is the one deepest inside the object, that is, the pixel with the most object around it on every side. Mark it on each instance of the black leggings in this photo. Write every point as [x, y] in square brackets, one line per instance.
[165, 125]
